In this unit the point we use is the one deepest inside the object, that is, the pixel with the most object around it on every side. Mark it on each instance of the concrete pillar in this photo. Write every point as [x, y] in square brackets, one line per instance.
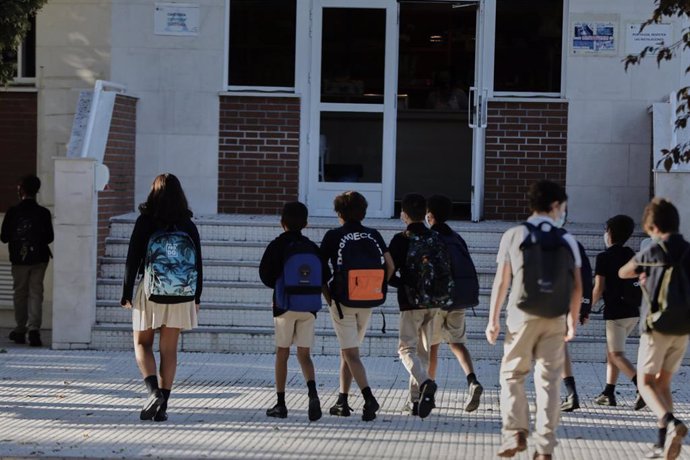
[74, 272]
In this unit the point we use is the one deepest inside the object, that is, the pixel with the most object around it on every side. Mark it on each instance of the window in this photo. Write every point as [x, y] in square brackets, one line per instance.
[529, 46]
[24, 57]
[262, 43]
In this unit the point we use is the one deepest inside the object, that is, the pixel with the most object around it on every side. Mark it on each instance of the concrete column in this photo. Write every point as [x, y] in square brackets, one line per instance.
[74, 272]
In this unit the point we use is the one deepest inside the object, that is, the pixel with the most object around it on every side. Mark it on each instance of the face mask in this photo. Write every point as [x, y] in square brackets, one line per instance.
[607, 241]
[656, 239]
[426, 219]
[560, 222]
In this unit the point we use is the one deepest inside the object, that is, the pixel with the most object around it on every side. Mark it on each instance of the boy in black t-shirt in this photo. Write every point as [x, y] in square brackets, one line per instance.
[660, 355]
[622, 305]
[291, 327]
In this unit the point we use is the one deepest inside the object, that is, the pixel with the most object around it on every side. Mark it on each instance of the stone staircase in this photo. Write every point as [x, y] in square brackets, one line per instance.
[236, 315]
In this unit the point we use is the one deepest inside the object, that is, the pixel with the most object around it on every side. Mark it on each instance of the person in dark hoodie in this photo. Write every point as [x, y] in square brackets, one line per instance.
[28, 229]
[165, 216]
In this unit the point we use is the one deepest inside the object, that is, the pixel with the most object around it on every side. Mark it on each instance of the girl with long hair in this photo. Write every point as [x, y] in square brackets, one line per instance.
[165, 209]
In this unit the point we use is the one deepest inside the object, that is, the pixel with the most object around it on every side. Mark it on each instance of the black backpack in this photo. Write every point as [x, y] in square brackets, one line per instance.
[25, 242]
[587, 283]
[429, 280]
[359, 274]
[465, 292]
[670, 314]
[548, 267]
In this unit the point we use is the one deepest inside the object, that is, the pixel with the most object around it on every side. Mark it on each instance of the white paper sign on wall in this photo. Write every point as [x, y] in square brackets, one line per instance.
[652, 35]
[180, 19]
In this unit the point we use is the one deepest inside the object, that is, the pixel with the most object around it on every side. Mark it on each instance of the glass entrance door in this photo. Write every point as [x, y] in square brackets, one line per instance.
[353, 98]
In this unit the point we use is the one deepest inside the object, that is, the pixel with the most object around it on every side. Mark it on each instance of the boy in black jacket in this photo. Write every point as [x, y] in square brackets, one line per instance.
[28, 229]
[416, 322]
[449, 324]
[291, 327]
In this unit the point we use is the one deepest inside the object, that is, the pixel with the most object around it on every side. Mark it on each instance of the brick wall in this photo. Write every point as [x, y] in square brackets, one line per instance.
[525, 142]
[118, 197]
[17, 142]
[258, 154]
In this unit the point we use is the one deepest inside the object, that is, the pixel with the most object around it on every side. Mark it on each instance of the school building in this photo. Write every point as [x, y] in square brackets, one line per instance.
[252, 103]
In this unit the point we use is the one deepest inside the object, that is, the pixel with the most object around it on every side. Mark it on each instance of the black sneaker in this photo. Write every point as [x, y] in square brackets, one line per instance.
[639, 402]
[162, 414]
[656, 451]
[35, 339]
[474, 394]
[314, 409]
[370, 408]
[412, 408]
[606, 400]
[277, 411]
[16, 337]
[680, 431]
[427, 390]
[340, 410]
[152, 404]
[571, 403]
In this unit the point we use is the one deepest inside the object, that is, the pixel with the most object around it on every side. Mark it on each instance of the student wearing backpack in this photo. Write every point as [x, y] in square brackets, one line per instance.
[361, 267]
[424, 284]
[663, 269]
[540, 263]
[622, 300]
[292, 266]
[165, 249]
[28, 229]
[449, 323]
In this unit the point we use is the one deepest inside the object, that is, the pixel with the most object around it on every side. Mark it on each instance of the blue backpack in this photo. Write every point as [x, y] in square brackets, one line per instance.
[298, 288]
[465, 292]
[170, 273]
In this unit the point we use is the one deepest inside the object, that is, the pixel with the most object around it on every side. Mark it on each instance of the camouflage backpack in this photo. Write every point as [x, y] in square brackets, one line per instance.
[429, 281]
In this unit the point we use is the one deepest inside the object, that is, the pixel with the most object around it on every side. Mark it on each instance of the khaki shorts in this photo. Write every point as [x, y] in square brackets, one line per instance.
[661, 352]
[617, 332]
[351, 329]
[449, 326]
[294, 328]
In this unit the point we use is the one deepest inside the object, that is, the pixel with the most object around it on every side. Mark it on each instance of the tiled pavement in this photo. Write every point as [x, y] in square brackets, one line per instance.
[85, 404]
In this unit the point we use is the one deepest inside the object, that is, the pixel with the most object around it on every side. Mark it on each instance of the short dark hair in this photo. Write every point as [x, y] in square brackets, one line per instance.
[440, 206]
[620, 228]
[30, 185]
[294, 216]
[414, 206]
[544, 192]
[661, 213]
[351, 206]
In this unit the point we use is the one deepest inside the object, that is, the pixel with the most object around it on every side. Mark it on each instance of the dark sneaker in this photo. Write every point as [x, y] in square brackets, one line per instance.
[16, 337]
[426, 398]
[151, 406]
[277, 411]
[35, 339]
[571, 403]
[340, 410]
[162, 414]
[370, 408]
[517, 444]
[639, 402]
[412, 408]
[655, 452]
[679, 432]
[474, 394]
[605, 400]
[314, 409]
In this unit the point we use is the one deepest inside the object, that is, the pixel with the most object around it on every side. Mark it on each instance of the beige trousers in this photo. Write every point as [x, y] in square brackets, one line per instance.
[541, 340]
[416, 332]
[28, 296]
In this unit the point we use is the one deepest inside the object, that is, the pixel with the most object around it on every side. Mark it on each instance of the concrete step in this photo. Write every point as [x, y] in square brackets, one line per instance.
[242, 271]
[261, 340]
[232, 292]
[263, 229]
[260, 315]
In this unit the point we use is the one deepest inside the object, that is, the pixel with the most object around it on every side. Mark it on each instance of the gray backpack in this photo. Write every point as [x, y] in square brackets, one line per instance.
[548, 271]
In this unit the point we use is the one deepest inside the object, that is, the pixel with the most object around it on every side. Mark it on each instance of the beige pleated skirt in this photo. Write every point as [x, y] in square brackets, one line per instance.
[151, 315]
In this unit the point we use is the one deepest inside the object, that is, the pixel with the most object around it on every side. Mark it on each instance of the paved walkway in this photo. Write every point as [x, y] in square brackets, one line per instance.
[85, 404]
